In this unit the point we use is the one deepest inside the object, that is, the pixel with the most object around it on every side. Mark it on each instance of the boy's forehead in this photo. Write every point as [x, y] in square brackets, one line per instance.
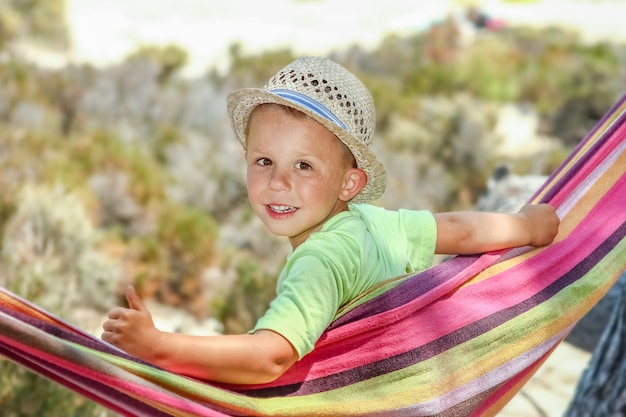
[271, 115]
[273, 125]
[278, 108]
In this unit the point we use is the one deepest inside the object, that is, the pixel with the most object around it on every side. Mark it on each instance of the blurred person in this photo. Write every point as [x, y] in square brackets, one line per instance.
[482, 20]
[312, 177]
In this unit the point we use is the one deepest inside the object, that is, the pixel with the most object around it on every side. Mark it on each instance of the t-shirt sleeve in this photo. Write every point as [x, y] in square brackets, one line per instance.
[421, 234]
[309, 293]
[409, 235]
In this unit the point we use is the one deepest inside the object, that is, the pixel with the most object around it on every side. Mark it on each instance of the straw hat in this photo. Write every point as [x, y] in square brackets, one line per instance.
[330, 94]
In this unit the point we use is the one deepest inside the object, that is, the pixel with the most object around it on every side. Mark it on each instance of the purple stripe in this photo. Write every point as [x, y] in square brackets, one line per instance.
[409, 290]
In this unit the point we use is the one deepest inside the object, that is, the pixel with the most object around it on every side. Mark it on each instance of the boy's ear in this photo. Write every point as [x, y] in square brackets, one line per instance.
[355, 181]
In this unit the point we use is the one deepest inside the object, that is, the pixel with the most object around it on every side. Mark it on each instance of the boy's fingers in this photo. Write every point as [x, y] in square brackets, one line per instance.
[134, 302]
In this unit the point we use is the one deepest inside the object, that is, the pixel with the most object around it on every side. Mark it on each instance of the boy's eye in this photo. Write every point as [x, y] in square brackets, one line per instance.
[303, 165]
[263, 162]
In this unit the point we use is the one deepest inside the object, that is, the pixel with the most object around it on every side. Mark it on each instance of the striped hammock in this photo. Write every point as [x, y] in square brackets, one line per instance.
[459, 339]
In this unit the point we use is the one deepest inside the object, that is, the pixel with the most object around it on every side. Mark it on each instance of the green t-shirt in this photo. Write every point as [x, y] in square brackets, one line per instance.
[353, 251]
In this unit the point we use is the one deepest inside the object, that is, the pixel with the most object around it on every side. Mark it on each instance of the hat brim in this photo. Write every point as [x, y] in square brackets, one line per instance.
[242, 102]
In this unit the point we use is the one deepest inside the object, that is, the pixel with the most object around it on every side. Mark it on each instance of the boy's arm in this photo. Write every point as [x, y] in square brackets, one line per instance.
[474, 232]
[237, 359]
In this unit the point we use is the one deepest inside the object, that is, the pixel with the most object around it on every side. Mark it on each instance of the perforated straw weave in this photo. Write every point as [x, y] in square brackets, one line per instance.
[330, 94]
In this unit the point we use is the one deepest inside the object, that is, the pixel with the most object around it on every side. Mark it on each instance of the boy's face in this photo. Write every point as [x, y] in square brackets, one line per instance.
[298, 174]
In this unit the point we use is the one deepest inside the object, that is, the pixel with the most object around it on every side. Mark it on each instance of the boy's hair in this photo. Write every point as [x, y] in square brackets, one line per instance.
[329, 94]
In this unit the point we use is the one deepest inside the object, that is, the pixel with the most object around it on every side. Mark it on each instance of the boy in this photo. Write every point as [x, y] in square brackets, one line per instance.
[307, 137]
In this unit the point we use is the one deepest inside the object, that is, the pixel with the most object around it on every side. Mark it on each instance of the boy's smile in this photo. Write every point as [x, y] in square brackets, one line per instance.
[278, 210]
[298, 173]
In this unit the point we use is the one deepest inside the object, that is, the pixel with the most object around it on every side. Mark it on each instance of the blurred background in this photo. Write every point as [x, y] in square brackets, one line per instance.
[118, 164]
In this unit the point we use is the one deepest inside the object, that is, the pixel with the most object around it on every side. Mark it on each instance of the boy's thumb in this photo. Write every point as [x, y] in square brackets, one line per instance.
[134, 302]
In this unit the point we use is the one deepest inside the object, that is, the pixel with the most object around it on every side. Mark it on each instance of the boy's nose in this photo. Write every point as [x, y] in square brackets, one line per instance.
[279, 180]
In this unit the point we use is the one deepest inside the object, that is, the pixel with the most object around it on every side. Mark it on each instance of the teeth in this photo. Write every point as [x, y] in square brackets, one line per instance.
[282, 209]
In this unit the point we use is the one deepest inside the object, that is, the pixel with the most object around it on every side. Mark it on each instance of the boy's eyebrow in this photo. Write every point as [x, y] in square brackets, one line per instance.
[307, 156]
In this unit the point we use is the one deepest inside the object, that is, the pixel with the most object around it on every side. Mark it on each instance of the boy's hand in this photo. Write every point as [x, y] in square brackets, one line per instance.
[543, 223]
[132, 329]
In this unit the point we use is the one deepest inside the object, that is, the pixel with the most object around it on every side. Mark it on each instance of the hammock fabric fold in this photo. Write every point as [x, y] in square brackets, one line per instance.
[459, 339]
